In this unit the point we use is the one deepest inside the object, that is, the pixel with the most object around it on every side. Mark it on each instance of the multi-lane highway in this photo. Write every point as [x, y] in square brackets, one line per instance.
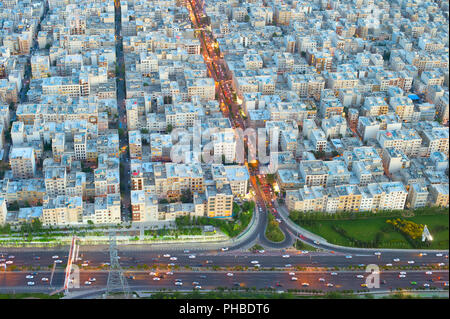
[209, 280]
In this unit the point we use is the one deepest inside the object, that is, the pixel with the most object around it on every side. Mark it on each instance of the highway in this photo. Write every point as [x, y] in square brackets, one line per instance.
[279, 280]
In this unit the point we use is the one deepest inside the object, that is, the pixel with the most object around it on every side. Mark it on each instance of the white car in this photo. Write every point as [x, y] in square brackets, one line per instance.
[12, 257]
[426, 285]
[156, 278]
[254, 262]
[305, 284]
[262, 251]
[29, 276]
[423, 254]
[410, 261]
[294, 278]
[292, 274]
[83, 264]
[401, 276]
[55, 257]
[230, 274]
[198, 287]
[191, 256]
[166, 255]
[224, 248]
[152, 273]
[286, 256]
[87, 283]
[440, 264]
[30, 283]
[333, 274]
[388, 265]
[359, 276]
[402, 272]
[330, 285]
[60, 261]
[348, 257]
[322, 279]
[173, 258]
[92, 279]
[438, 255]
[195, 283]
[396, 260]
[429, 273]
[377, 253]
[186, 251]
[178, 283]
[44, 279]
[169, 273]
[278, 220]
[288, 265]
[9, 262]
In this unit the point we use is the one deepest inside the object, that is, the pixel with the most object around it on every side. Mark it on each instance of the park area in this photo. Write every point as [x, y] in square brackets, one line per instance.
[373, 231]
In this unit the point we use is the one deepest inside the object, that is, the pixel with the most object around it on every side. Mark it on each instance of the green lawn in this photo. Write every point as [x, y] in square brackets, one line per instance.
[30, 296]
[273, 231]
[367, 228]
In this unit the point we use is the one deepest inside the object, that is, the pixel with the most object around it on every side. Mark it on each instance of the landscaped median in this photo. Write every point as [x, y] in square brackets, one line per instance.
[384, 229]
[273, 231]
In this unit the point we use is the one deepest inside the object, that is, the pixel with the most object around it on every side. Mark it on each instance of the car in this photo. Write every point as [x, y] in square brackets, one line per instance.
[410, 261]
[178, 283]
[262, 251]
[156, 278]
[92, 279]
[166, 255]
[423, 254]
[152, 273]
[55, 257]
[428, 273]
[413, 283]
[87, 283]
[30, 283]
[294, 278]
[348, 257]
[288, 265]
[363, 285]
[169, 273]
[292, 274]
[83, 264]
[286, 256]
[438, 255]
[44, 279]
[330, 285]
[316, 242]
[377, 253]
[186, 251]
[402, 272]
[305, 284]
[254, 262]
[322, 279]
[9, 262]
[178, 280]
[195, 283]
[173, 258]
[131, 277]
[426, 285]
[191, 256]
[171, 264]
[333, 274]
[446, 284]
[278, 220]
[359, 276]
[59, 261]
[362, 265]
[224, 248]
[401, 276]
[396, 260]
[230, 274]
[11, 257]
[198, 287]
[440, 264]
[388, 265]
